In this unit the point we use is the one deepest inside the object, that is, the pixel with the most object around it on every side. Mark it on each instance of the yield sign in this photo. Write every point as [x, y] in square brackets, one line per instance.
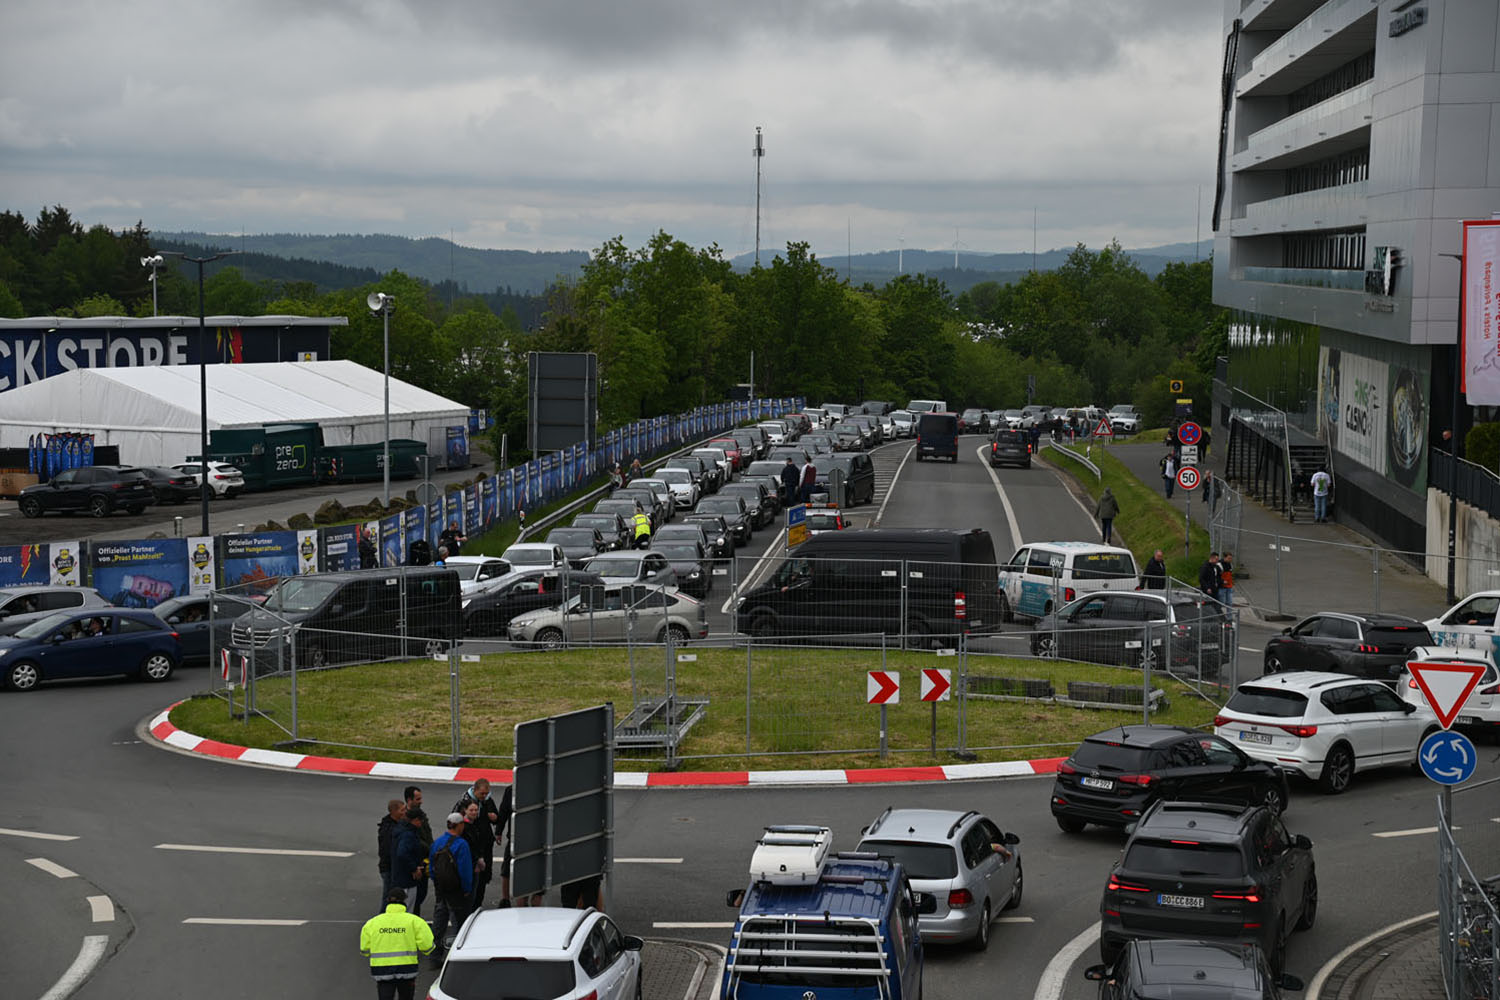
[937, 685]
[1104, 430]
[1447, 686]
[883, 687]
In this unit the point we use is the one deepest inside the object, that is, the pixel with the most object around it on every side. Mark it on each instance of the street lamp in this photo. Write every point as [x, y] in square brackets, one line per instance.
[203, 485]
[153, 262]
[381, 305]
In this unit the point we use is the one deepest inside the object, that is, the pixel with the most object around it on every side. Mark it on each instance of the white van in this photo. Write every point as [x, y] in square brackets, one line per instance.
[1042, 574]
[928, 406]
[1469, 624]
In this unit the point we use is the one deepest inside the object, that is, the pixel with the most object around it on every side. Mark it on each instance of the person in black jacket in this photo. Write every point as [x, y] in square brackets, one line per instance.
[485, 832]
[1208, 576]
[1154, 577]
[789, 481]
[367, 553]
[452, 539]
[385, 832]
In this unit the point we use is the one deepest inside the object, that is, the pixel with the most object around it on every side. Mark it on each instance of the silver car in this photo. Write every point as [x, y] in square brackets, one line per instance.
[640, 614]
[633, 567]
[961, 859]
[21, 605]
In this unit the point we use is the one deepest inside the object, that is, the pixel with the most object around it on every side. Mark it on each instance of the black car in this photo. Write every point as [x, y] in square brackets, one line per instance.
[625, 509]
[1213, 871]
[689, 562]
[525, 590]
[975, 421]
[649, 502]
[578, 544]
[757, 497]
[1374, 646]
[735, 513]
[1154, 970]
[170, 485]
[615, 529]
[858, 472]
[721, 543]
[97, 489]
[1128, 627]
[1115, 776]
[1010, 447]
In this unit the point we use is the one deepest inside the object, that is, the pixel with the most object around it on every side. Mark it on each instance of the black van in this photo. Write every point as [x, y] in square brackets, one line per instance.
[863, 581]
[937, 436]
[1010, 447]
[369, 614]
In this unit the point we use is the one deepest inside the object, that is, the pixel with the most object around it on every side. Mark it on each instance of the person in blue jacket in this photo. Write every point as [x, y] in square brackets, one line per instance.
[452, 888]
[409, 858]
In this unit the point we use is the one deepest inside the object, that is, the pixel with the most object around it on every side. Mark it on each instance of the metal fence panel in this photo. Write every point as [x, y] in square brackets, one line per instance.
[1468, 904]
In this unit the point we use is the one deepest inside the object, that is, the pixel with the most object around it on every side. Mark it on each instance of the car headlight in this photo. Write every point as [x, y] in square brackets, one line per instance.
[691, 576]
[465, 602]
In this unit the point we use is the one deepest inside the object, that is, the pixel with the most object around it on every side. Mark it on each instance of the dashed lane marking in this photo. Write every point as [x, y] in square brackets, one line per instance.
[648, 861]
[281, 852]
[244, 922]
[51, 867]
[1417, 832]
[89, 954]
[34, 835]
[694, 925]
[101, 909]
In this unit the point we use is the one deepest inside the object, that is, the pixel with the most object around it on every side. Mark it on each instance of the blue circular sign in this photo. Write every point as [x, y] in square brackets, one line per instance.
[1189, 433]
[1447, 757]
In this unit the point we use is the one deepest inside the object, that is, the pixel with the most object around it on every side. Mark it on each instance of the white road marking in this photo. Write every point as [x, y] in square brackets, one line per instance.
[89, 954]
[1015, 920]
[1055, 975]
[243, 922]
[1010, 514]
[691, 925]
[1316, 986]
[1248, 649]
[891, 490]
[648, 861]
[51, 867]
[1409, 833]
[34, 835]
[101, 909]
[762, 562]
[208, 849]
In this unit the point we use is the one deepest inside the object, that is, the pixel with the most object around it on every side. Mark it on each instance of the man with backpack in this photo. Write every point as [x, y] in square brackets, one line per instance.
[452, 868]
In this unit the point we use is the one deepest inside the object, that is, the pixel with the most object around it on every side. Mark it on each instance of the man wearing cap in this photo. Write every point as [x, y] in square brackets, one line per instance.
[452, 897]
[393, 942]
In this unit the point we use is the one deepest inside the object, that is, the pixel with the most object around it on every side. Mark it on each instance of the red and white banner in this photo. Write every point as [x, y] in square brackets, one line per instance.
[1480, 311]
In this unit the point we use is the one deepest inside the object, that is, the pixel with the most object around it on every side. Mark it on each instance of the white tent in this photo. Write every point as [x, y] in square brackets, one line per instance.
[152, 412]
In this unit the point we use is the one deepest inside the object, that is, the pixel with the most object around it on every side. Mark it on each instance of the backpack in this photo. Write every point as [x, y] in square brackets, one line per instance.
[445, 869]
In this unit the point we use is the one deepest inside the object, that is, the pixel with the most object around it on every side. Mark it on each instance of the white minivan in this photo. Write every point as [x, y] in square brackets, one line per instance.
[1469, 624]
[1043, 574]
[928, 406]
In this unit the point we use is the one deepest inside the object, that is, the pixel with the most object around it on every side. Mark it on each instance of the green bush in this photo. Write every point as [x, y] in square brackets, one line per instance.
[1482, 445]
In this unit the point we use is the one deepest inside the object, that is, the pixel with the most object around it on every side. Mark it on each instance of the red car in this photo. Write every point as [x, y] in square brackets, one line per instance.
[731, 449]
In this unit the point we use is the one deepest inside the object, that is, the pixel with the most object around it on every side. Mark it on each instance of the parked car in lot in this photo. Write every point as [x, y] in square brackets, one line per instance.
[1372, 645]
[489, 613]
[226, 479]
[1325, 727]
[961, 858]
[1147, 969]
[660, 613]
[1211, 871]
[1481, 712]
[1128, 627]
[612, 526]
[95, 489]
[619, 568]
[171, 486]
[579, 545]
[477, 574]
[24, 604]
[1115, 776]
[96, 642]
[540, 951]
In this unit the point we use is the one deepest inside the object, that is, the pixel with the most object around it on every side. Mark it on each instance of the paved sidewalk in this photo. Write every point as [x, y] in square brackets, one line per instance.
[679, 970]
[1401, 965]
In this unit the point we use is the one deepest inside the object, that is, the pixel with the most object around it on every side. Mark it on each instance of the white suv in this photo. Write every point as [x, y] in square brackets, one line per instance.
[1124, 418]
[1324, 726]
[1481, 713]
[540, 951]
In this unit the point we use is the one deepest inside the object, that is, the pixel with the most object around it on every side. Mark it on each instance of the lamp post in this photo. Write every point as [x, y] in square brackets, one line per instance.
[203, 486]
[381, 305]
[153, 262]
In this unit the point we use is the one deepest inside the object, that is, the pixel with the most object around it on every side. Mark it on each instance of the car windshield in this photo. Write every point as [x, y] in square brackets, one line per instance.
[614, 567]
[605, 522]
[511, 978]
[725, 505]
[571, 536]
[678, 552]
[654, 485]
[528, 557]
[43, 626]
[1104, 756]
[678, 476]
[300, 594]
[929, 861]
[1177, 858]
[1268, 701]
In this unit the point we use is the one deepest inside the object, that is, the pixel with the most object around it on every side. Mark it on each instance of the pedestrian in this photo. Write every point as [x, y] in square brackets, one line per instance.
[1210, 487]
[1226, 578]
[409, 859]
[635, 468]
[616, 477]
[1204, 443]
[484, 829]
[1168, 466]
[1174, 442]
[385, 832]
[452, 869]
[452, 539]
[394, 942]
[1322, 485]
[641, 524]
[1107, 509]
[789, 480]
[442, 556]
[1154, 577]
[476, 841]
[367, 553]
[413, 796]
[1208, 576]
[1036, 437]
[809, 480]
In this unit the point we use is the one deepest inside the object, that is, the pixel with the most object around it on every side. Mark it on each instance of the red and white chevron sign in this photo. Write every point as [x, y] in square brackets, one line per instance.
[937, 685]
[883, 687]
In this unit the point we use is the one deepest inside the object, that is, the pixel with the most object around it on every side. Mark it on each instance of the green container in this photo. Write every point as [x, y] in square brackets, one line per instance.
[362, 462]
[271, 457]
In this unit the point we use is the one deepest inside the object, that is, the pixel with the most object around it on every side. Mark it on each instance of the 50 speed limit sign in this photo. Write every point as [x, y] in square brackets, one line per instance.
[1187, 477]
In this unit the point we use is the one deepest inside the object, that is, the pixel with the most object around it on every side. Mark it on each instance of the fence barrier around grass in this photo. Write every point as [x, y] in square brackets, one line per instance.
[1468, 892]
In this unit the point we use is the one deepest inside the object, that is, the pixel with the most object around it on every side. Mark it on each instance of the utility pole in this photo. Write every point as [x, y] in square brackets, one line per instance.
[760, 154]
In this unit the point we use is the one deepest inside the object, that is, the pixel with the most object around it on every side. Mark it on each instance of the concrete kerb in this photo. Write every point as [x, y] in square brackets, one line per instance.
[160, 731]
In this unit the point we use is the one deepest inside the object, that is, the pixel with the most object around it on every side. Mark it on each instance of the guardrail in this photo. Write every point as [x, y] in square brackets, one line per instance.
[1080, 459]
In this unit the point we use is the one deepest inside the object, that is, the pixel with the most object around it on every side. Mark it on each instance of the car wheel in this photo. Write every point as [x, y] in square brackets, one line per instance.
[1044, 646]
[98, 506]
[1006, 615]
[1275, 799]
[1338, 770]
[434, 647]
[763, 623]
[1068, 824]
[1274, 664]
[918, 632]
[550, 639]
[23, 676]
[316, 657]
[981, 939]
[1309, 904]
[158, 667]
[31, 507]
[1016, 888]
[677, 634]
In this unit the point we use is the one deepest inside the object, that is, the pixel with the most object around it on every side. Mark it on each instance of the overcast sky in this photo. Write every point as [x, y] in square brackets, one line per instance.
[557, 124]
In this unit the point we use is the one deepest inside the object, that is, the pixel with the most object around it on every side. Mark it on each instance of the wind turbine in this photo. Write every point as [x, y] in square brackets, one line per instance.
[956, 245]
[901, 253]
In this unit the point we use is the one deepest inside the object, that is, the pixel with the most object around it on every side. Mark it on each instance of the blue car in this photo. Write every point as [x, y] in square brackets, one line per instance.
[99, 642]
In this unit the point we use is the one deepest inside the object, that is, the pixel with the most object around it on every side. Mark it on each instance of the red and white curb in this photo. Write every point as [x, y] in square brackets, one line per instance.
[161, 728]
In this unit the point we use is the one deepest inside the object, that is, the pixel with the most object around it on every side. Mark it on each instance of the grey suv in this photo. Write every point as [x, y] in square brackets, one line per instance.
[961, 859]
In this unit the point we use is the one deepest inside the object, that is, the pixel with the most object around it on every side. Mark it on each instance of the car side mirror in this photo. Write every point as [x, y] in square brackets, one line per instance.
[58, 638]
[1287, 981]
[633, 943]
[1408, 707]
[336, 609]
[1287, 630]
[1302, 842]
[175, 620]
[734, 898]
[1011, 840]
[1096, 973]
[926, 902]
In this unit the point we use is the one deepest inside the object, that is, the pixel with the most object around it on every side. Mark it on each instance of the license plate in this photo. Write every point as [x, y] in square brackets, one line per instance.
[1104, 784]
[1182, 902]
[1469, 720]
[720, 571]
[1255, 738]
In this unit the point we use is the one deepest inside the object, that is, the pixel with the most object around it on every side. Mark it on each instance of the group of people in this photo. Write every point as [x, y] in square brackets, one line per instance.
[1215, 576]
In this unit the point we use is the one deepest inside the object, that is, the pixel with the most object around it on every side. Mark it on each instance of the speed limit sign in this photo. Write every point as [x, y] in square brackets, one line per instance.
[1187, 477]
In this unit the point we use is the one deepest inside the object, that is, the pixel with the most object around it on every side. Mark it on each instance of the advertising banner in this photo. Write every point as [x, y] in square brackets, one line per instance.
[141, 573]
[458, 447]
[453, 512]
[23, 564]
[391, 540]
[1352, 407]
[1481, 312]
[341, 548]
[472, 524]
[307, 551]
[413, 527]
[255, 558]
[434, 522]
[489, 500]
[200, 555]
[65, 564]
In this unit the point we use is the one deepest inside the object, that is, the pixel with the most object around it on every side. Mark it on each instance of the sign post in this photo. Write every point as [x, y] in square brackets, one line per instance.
[1447, 757]
[937, 685]
[1103, 429]
[883, 687]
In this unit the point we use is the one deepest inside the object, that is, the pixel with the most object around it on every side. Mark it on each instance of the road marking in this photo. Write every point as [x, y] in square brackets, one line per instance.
[1055, 975]
[1010, 514]
[1410, 833]
[243, 922]
[891, 490]
[34, 835]
[1316, 986]
[51, 867]
[1015, 920]
[1248, 649]
[648, 861]
[691, 925]
[101, 909]
[254, 850]
[89, 954]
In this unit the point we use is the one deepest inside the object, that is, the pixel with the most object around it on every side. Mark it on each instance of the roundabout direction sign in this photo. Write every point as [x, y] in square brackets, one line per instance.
[1447, 757]
[1187, 477]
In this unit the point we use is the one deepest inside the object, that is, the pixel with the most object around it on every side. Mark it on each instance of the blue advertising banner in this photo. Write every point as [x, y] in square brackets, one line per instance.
[414, 522]
[251, 558]
[340, 548]
[23, 564]
[472, 525]
[434, 521]
[453, 511]
[458, 447]
[489, 501]
[390, 541]
[141, 573]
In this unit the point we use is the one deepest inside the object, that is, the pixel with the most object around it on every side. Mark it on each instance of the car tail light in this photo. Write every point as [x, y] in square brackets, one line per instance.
[1222, 720]
[959, 898]
[1117, 884]
[1141, 780]
[590, 995]
[1179, 631]
[1367, 647]
[994, 448]
[1066, 768]
[176, 636]
[1492, 689]
[1069, 594]
[1250, 895]
[1301, 732]
[1412, 683]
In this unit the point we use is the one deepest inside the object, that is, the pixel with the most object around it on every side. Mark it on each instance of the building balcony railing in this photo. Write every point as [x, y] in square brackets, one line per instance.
[1330, 117]
[1341, 207]
[1306, 277]
[1322, 24]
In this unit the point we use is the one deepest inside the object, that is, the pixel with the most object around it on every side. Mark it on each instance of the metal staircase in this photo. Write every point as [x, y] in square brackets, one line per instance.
[1304, 460]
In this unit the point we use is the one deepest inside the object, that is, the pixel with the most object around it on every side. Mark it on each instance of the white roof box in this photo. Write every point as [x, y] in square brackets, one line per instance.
[791, 855]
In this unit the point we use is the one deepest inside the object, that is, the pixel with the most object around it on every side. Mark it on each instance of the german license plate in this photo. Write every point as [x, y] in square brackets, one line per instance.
[720, 571]
[1246, 737]
[1181, 902]
[1103, 784]
[1469, 720]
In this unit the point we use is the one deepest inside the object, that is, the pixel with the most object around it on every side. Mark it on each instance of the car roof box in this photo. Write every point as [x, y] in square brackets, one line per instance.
[791, 855]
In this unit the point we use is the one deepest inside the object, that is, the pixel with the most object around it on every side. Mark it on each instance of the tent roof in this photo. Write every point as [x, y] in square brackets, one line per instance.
[325, 392]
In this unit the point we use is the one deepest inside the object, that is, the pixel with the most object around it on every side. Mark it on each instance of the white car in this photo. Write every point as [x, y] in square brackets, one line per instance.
[775, 432]
[1324, 726]
[906, 423]
[540, 951]
[685, 495]
[1481, 713]
[1124, 418]
[477, 574]
[662, 490]
[1469, 624]
[531, 555]
[226, 480]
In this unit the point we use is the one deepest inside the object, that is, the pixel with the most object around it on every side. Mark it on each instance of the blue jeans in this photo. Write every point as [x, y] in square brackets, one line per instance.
[1226, 596]
[1107, 528]
[1320, 506]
